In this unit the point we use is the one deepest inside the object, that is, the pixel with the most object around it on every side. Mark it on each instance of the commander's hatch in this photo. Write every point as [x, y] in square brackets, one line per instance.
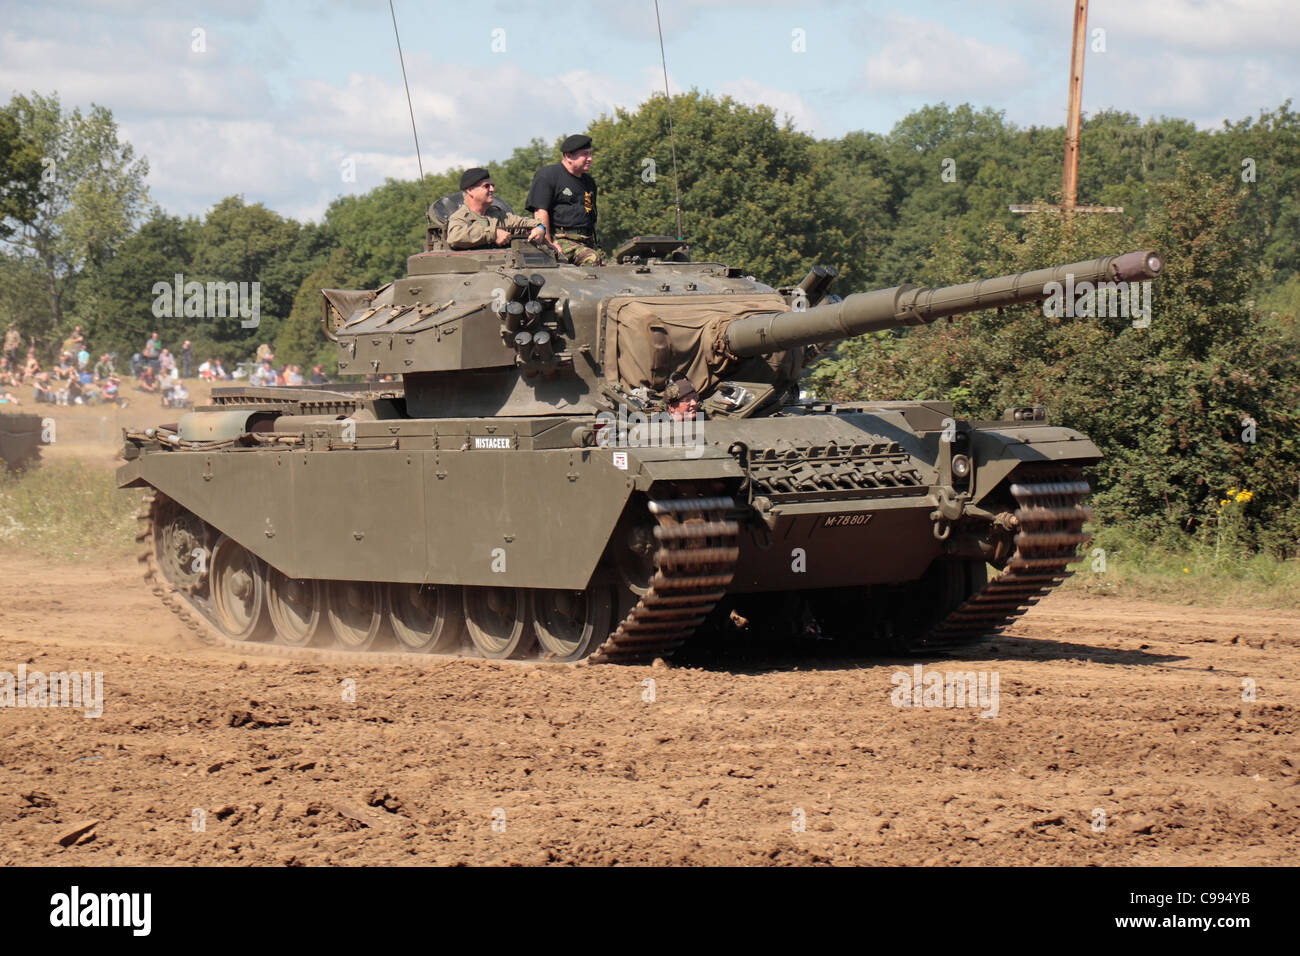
[442, 209]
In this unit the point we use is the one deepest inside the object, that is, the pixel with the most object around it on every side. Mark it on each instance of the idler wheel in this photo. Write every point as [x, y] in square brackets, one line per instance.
[355, 611]
[238, 591]
[295, 607]
[427, 618]
[570, 623]
[497, 620]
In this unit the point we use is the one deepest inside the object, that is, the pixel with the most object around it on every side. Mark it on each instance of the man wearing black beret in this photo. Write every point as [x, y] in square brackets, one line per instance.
[478, 223]
[563, 197]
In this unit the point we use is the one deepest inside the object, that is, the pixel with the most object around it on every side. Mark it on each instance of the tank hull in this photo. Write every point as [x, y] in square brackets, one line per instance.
[836, 497]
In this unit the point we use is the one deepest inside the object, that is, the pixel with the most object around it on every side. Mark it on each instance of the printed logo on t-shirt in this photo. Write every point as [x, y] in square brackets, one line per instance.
[586, 201]
[566, 191]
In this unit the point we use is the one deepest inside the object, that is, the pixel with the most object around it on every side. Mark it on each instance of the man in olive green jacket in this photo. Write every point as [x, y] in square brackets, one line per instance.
[475, 224]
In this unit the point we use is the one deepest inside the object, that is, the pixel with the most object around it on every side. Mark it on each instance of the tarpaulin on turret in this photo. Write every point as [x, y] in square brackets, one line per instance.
[647, 339]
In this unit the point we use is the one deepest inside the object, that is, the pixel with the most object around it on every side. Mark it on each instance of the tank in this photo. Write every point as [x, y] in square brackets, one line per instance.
[20, 440]
[522, 489]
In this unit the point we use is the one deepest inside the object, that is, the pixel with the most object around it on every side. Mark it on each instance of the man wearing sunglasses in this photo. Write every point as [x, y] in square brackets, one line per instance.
[477, 223]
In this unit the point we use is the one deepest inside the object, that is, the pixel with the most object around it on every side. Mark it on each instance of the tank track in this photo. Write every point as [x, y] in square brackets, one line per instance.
[1050, 517]
[694, 563]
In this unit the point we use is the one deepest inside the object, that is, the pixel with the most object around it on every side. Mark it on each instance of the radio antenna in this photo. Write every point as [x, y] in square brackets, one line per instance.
[677, 193]
[418, 161]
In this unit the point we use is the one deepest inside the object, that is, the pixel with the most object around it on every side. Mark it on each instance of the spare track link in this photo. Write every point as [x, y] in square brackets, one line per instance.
[694, 564]
[1050, 517]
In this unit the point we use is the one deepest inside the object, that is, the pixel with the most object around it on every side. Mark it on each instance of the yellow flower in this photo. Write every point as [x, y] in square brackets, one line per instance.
[1231, 492]
[1222, 502]
[1185, 571]
[1244, 496]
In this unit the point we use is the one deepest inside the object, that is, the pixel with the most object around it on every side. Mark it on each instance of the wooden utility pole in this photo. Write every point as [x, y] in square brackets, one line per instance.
[1070, 184]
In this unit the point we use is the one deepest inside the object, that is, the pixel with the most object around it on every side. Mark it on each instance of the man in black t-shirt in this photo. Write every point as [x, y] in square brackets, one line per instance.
[563, 198]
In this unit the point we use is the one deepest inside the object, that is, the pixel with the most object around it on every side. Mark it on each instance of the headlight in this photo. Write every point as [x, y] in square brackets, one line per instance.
[960, 467]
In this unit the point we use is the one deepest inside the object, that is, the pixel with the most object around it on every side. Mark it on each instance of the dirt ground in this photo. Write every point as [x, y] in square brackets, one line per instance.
[1121, 737]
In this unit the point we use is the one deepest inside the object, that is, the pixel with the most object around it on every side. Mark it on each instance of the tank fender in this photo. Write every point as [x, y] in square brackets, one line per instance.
[998, 451]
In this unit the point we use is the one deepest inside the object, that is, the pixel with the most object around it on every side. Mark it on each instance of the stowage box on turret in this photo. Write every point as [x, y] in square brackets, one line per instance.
[522, 488]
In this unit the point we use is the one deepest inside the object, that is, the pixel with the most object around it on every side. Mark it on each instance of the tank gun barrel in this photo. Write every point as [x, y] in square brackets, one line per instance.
[909, 305]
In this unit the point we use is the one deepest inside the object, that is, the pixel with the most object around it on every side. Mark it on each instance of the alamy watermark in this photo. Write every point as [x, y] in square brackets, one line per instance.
[212, 300]
[83, 690]
[923, 688]
[75, 908]
[1102, 300]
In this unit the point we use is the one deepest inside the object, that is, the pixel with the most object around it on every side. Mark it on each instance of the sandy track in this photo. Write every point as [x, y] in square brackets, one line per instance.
[1130, 708]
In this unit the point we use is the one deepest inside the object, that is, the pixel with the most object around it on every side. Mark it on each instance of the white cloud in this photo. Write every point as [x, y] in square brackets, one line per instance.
[1250, 26]
[926, 58]
[786, 103]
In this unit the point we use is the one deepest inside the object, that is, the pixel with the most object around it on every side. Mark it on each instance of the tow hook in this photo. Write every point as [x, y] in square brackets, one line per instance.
[949, 510]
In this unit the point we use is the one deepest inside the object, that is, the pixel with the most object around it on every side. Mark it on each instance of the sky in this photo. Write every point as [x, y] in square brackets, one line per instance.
[294, 102]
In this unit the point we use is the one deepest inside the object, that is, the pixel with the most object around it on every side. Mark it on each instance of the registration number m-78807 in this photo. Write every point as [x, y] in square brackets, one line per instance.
[846, 521]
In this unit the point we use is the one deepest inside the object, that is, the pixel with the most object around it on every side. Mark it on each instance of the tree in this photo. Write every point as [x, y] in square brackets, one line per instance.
[115, 298]
[94, 192]
[301, 339]
[20, 175]
[386, 225]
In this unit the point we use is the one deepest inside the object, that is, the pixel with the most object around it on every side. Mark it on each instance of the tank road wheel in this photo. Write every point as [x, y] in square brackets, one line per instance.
[356, 610]
[570, 623]
[497, 619]
[295, 608]
[180, 545]
[238, 583]
[427, 618]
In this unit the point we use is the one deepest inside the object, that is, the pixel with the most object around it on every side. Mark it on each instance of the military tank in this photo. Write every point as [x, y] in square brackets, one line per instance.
[520, 490]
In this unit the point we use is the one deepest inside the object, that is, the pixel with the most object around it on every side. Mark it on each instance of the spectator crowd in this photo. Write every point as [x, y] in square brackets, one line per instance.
[72, 380]
[156, 369]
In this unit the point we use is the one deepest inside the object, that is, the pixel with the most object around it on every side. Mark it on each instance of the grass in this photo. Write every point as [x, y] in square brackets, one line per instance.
[66, 511]
[1189, 572]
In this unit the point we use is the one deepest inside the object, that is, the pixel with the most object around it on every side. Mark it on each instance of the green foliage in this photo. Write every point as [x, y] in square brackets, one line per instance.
[20, 174]
[1166, 404]
[301, 340]
[95, 195]
[754, 193]
[384, 226]
[1189, 570]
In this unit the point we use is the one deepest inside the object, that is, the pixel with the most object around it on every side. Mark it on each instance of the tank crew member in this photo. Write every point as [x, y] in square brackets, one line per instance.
[563, 197]
[682, 398]
[475, 225]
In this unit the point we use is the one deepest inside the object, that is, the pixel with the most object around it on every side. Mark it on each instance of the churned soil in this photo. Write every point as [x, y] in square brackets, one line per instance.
[1122, 735]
